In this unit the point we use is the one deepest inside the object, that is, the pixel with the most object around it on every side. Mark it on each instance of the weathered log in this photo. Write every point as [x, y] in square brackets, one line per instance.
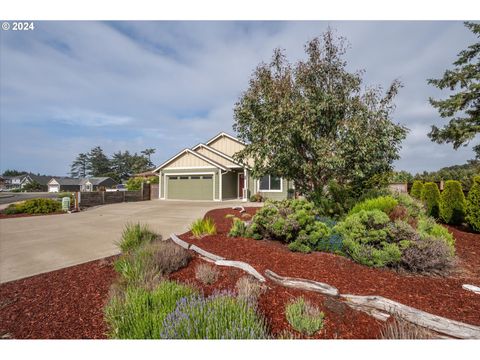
[180, 242]
[303, 284]
[240, 208]
[241, 265]
[436, 323]
[206, 253]
[473, 288]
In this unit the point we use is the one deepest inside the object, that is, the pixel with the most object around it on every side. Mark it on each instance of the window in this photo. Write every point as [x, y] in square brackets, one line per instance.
[183, 177]
[270, 183]
[173, 178]
[194, 177]
[207, 177]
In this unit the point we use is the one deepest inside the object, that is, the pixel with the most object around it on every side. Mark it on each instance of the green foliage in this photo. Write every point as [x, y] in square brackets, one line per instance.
[202, 227]
[414, 207]
[431, 199]
[12, 209]
[33, 186]
[296, 123]
[304, 317]
[366, 239]
[428, 228]
[427, 255]
[238, 228]
[383, 203]
[462, 107]
[416, 190]
[139, 314]
[452, 203]
[134, 183]
[38, 206]
[473, 205]
[217, 317]
[300, 246]
[256, 197]
[13, 172]
[134, 236]
[463, 173]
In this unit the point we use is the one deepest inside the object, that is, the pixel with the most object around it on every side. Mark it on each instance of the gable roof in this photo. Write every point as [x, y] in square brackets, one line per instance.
[66, 181]
[218, 152]
[219, 135]
[94, 180]
[188, 151]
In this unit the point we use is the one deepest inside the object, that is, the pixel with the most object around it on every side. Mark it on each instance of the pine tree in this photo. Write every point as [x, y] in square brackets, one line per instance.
[79, 167]
[99, 164]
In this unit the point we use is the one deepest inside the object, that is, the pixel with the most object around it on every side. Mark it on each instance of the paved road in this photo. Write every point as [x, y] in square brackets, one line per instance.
[33, 245]
[11, 197]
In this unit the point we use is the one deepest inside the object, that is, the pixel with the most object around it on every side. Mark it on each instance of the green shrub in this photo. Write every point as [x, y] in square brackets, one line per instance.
[12, 209]
[473, 205]
[304, 317]
[217, 317]
[299, 246]
[452, 203]
[134, 183]
[416, 190]
[428, 228]
[383, 203]
[431, 199]
[427, 255]
[139, 314]
[256, 198]
[135, 235]
[366, 239]
[238, 228]
[39, 206]
[202, 227]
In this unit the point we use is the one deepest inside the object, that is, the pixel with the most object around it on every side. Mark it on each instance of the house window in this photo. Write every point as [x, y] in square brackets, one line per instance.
[270, 183]
[194, 177]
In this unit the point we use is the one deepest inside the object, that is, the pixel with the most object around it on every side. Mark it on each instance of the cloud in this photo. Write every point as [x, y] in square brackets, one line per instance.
[88, 118]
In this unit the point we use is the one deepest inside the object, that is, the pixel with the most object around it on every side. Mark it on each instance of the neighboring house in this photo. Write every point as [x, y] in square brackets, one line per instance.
[58, 184]
[19, 182]
[209, 172]
[2, 183]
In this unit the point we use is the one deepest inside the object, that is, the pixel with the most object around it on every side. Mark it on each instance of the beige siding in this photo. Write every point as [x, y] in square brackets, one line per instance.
[215, 157]
[226, 145]
[188, 160]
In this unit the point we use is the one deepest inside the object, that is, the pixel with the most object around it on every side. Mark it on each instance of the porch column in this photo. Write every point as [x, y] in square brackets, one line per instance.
[245, 185]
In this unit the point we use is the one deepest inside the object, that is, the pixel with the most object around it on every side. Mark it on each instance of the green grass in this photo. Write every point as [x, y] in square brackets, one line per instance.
[134, 236]
[202, 227]
[304, 317]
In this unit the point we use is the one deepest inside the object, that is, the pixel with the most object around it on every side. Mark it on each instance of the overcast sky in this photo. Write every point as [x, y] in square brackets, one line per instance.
[69, 86]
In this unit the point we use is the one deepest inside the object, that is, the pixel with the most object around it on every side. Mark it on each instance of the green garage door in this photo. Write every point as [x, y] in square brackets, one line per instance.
[191, 187]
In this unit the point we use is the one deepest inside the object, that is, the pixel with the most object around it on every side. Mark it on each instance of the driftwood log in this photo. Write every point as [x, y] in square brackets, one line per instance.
[436, 323]
[472, 288]
[180, 242]
[207, 254]
[302, 284]
[241, 265]
[239, 208]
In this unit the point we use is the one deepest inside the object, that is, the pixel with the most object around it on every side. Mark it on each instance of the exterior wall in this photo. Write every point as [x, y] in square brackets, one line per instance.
[274, 195]
[187, 160]
[226, 145]
[230, 185]
[69, 187]
[215, 172]
[215, 157]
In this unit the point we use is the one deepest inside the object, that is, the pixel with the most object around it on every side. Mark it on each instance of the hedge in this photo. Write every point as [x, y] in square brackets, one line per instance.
[452, 203]
[416, 190]
[431, 199]
[473, 205]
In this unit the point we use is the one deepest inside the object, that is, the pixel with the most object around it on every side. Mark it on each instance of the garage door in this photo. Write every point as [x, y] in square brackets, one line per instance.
[191, 187]
[53, 188]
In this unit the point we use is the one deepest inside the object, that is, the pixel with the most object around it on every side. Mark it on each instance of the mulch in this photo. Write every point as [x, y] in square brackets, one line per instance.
[62, 304]
[68, 303]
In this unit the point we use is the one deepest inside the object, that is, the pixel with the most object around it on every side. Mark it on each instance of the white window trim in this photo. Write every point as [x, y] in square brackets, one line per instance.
[269, 181]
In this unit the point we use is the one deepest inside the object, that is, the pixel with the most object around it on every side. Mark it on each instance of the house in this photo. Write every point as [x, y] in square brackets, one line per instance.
[19, 181]
[58, 184]
[208, 172]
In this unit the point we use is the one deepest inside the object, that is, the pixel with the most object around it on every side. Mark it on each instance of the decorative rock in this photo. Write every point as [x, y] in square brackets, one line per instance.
[473, 288]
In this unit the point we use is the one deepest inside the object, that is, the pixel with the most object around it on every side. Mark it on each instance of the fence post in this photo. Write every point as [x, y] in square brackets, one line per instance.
[103, 197]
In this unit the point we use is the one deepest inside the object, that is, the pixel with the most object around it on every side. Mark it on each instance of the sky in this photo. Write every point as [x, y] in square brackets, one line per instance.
[66, 87]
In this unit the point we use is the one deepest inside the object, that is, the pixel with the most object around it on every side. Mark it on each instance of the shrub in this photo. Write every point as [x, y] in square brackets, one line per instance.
[427, 255]
[135, 235]
[404, 330]
[414, 207]
[206, 273]
[366, 239]
[217, 317]
[202, 227]
[249, 289]
[417, 189]
[39, 206]
[473, 205]
[238, 228]
[134, 183]
[12, 209]
[304, 317]
[298, 246]
[431, 199]
[256, 197]
[139, 314]
[383, 203]
[427, 227]
[452, 203]
[168, 257]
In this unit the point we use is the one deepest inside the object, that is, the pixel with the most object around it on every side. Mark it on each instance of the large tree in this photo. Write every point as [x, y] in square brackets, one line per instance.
[99, 163]
[312, 122]
[79, 167]
[463, 106]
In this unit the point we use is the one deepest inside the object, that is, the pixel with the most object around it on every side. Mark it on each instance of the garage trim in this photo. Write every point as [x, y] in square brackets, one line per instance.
[165, 187]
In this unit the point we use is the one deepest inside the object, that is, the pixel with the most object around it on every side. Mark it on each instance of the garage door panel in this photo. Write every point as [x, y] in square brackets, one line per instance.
[190, 187]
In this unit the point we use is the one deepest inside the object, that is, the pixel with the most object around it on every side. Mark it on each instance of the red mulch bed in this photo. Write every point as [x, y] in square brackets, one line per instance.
[6, 216]
[62, 304]
[442, 296]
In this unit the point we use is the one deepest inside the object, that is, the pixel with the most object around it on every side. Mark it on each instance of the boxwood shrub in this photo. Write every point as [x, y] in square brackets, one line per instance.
[431, 199]
[473, 205]
[452, 203]
[38, 206]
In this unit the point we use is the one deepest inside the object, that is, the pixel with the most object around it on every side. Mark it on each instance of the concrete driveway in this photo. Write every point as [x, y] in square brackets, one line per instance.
[34, 245]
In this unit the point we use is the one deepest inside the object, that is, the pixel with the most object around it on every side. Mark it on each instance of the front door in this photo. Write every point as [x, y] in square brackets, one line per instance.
[241, 183]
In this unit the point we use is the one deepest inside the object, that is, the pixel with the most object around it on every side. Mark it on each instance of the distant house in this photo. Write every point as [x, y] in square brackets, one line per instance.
[58, 184]
[19, 181]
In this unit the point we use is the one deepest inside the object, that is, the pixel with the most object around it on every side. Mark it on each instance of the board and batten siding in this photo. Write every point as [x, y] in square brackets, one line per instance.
[188, 160]
[226, 145]
[215, 157]
[166, 172]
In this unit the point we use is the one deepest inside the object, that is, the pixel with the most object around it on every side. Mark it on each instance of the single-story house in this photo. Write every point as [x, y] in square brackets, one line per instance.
[58, 184]
[208, 172]
[19, 181]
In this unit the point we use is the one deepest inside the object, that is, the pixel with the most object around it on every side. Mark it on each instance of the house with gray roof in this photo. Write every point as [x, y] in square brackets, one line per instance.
[58, 184]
